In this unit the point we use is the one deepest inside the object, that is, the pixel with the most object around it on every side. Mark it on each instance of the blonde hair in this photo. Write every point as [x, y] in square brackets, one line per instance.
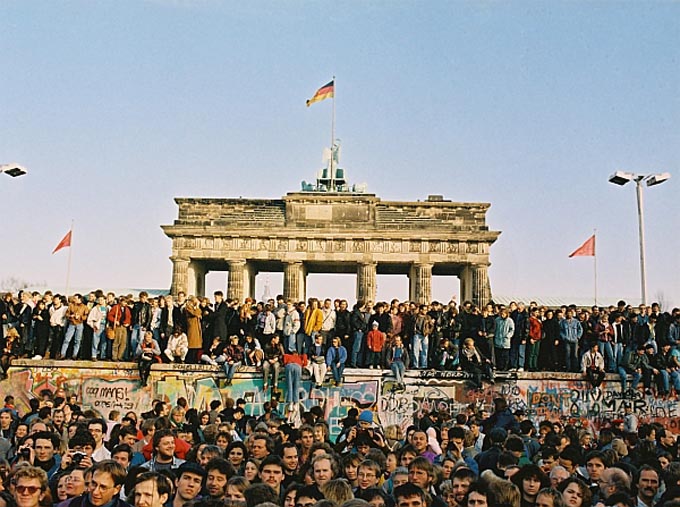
[338, 491]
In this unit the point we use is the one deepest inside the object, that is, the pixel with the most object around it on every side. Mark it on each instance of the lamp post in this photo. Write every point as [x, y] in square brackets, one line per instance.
[621, 178]
[13, 170]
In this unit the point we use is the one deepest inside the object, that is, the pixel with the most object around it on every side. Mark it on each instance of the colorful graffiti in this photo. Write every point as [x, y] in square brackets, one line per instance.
[569, 399]
[335, 401]
[99, 389]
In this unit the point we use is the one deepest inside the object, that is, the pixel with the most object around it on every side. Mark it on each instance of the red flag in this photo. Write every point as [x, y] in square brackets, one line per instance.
[587, 249]
[63, 243]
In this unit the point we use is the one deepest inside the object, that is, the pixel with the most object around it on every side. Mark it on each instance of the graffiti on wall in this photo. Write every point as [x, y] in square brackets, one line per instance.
[98, 389]
[118, 388]
[335, 401]
[566, 400]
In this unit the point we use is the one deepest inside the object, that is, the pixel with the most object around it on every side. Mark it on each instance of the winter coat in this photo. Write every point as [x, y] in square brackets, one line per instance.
[193, 315]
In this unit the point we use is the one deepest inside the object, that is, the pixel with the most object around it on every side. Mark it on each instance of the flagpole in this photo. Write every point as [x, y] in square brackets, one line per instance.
[68, 269]
[595, 262]
[332, 189]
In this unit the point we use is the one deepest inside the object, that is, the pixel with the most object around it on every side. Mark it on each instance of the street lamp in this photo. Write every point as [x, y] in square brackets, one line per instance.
[621, 178]
[13, 170]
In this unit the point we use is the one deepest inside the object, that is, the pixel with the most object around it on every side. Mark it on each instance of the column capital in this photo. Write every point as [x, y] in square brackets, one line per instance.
[236, 263]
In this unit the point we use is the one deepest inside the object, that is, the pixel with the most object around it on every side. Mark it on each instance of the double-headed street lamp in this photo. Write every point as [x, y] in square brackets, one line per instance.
[13, 170]
[621, 178]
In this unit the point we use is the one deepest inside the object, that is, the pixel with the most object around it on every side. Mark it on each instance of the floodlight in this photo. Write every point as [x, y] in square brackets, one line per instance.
[656, 179]
[13, 170]
[621, 177]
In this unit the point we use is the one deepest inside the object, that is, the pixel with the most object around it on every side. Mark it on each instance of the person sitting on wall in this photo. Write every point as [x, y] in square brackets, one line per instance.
[148, 352]
[233, 358]
[475, 363]
[178, 346]
[592, 366]
[336, 357]
[293, 365]
[253, 353]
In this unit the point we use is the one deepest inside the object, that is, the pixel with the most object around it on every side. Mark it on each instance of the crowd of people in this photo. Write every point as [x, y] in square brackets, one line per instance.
[57, 454]
[325, 337]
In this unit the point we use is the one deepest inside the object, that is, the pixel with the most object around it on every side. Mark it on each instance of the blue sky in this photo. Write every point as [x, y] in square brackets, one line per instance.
[117, 107]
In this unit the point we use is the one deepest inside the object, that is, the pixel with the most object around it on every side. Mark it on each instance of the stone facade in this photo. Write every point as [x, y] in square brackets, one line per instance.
[311, 232]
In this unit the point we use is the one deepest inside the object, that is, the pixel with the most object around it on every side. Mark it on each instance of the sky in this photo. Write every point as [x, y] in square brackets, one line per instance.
[117, 107]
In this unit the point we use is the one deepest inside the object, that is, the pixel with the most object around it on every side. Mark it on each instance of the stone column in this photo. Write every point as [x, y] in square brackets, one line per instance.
[420, 283]
[293, 281]
[366, 281]
[180, 266]
[481, 288]
[196, 278]
[236, 281]
[250, 275]
[462, 278]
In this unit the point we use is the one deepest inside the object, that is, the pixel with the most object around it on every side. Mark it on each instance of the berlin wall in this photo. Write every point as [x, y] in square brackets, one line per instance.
[108, 386]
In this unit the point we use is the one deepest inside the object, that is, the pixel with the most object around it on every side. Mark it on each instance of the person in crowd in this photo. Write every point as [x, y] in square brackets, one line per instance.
[233, 358]
[592, 366]
[634, 363]
[375, 341]
[336, 357]
[96, 319]
[359, 326]
[575, 493]
[148, 352]
[273, 359]
[475, 363]
[193, 315]
[571, 332]
[293, 365]
[504, 331]
[177, 347]
[30, 487]
[152, 489]
[398, 360]
[317, 360]
[118, 320]
[291, 327]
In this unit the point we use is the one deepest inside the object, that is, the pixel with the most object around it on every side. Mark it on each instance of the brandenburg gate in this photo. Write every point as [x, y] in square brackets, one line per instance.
[331, 232]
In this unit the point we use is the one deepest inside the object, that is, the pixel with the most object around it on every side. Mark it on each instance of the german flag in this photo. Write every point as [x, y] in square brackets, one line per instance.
[327, 91]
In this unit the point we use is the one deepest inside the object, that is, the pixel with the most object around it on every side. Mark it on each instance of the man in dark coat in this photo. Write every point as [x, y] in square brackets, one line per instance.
[219, 324]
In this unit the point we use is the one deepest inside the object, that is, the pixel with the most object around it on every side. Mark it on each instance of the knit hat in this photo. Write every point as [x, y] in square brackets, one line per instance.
[366, 416]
